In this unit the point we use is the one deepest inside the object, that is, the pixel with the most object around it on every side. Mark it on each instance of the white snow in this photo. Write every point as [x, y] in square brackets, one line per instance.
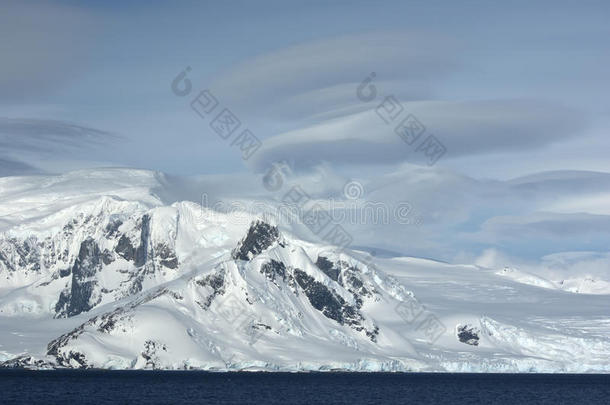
[526, 323]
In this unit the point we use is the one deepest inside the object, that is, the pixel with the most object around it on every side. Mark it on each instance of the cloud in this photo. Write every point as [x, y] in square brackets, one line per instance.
[306, 97]
[550, 225]
[569, 264]
[464, 127]
[43, 46]
[11, 167]
[560, 266]
[448, 216]
[312, 77]
[550, 182]
[25, 140]
[48, 136]
[462, 214]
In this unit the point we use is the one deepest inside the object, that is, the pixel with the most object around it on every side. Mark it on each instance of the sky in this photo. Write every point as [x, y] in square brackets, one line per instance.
[517, 93]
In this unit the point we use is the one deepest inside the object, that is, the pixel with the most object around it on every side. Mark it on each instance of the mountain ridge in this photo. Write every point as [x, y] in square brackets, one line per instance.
[124, 281]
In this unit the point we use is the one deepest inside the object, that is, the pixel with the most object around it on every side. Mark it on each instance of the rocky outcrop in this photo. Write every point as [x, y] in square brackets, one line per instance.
[348, 276]
[166, 256]
[331, 304]
[151, 353]
[468, 334]
[260, 237]
[125, 249]
[67, 263]
[27, 362]
[274, 271]
[329, 268]
[215, 283]
[20, 255]
[128, 251]
[81, 295]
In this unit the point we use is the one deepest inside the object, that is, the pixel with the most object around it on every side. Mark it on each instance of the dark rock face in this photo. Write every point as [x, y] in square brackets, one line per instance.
[277, 272]
[73, 359]
[79, 298]
[145, 257]
[331, 304]
[112, 228]
[140, 255]
[321, 298]
[167, 257]
[108, 321]
[274, 271]
[328, 268]
[27, 362]
[468, 334]
[347, 276]
[6, 262]
[215, 282]
[151, 348]
[142, 250]
[18, 254]
[107, 257]
[55, 262]
[125, 249]
[64, 272]
[260, 237]
[352, 281]
[63, 359]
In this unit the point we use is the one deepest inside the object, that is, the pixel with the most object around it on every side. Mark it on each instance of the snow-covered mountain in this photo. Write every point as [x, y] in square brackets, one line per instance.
[103, 269]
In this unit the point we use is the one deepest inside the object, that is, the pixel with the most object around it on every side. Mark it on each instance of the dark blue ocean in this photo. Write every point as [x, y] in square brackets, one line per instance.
[164, 387]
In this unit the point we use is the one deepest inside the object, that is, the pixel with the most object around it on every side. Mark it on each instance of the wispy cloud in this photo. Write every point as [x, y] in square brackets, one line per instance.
[48, 136]
[317, 76]
[11, 167]
[465, 127]
[25, 140]
[305, 97]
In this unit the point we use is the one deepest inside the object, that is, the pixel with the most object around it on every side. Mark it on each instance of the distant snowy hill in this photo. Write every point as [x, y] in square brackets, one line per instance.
[108, 269]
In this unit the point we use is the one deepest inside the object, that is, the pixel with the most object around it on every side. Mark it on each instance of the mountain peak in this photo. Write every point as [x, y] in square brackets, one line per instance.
[259, 238]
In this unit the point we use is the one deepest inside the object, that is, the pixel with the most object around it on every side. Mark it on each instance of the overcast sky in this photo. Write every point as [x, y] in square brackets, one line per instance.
[510, 89]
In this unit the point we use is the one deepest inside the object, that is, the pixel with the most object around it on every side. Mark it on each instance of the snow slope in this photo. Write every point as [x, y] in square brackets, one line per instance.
[98, 270]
